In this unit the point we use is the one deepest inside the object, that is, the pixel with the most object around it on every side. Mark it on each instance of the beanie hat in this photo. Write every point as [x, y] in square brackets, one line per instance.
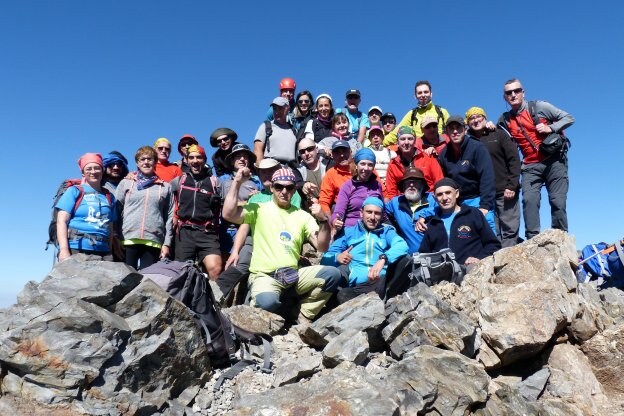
[405, 130]
[446, 182]
[284, 174]
[195, 148]
[473, 111]
[90, 158]
[161, 140]
[365, 154]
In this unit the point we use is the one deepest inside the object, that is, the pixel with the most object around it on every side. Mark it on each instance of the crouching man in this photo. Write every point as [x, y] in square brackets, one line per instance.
[365, 251]
[279, 231]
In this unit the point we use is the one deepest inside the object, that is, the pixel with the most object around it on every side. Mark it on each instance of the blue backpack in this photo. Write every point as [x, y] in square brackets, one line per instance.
[602, 260]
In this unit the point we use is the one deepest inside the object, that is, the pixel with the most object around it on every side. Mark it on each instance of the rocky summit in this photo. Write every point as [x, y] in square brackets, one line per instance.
[519, 337]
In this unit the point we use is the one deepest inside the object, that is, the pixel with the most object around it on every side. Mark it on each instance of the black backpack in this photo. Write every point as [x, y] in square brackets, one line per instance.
[438, 110]
[186, 283]
[433, 268]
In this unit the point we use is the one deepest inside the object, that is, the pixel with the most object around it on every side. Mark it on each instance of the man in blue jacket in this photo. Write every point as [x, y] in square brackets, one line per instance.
[364, 252]
[461, 228]
[467, 161]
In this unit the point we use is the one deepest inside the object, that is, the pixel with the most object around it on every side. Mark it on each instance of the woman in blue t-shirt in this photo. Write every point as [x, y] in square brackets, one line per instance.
[84, 222]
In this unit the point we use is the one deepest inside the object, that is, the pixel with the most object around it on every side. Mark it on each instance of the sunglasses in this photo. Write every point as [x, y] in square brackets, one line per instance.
[516, 91]
[227, 139]
[389, 122]
[279, 187]
[307, 150]
[431, 125]
[164, 148]
[304, 101]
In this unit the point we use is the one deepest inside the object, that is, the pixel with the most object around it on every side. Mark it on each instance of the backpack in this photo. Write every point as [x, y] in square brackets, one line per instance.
[66, 184]
[433, 268]
[185, 282]
[438, 110]
[602, 260]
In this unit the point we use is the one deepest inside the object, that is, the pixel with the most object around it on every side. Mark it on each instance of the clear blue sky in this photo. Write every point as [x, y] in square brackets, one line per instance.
[79, 76]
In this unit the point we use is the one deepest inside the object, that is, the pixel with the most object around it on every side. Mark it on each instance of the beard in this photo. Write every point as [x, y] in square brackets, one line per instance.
[413, 196]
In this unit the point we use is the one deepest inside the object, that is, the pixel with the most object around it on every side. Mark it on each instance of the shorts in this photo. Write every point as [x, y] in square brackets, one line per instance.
[193, 244]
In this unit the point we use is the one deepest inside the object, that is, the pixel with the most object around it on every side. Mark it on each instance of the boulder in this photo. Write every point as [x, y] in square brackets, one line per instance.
[351, 346]
[255, 319]
[507, 401]
[605, 353]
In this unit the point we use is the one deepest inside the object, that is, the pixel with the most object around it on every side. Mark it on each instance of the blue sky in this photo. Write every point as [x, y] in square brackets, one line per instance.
[79, 76]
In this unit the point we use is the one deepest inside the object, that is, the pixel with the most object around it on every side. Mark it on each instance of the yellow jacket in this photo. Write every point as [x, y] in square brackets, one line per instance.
[428, 110]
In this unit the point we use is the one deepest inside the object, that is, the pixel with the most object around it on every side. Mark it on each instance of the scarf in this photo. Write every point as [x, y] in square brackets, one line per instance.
[144, 181]
[325, 121]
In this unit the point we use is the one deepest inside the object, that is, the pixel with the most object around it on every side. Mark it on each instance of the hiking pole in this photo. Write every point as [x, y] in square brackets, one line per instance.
[606, 250]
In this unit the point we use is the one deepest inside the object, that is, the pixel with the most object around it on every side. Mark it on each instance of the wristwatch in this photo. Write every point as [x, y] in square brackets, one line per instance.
[383, 257]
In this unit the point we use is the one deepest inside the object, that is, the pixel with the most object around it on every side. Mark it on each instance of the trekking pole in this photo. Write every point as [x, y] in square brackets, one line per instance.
[606, 250]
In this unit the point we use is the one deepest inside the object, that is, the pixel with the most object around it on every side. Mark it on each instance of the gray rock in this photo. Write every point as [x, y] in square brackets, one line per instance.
[255, 319]
[531, 388]
[606, 355]
[297, 368]
[349, 346]
[419, 317]
[612, 300]
[507, 401]
[364, 313]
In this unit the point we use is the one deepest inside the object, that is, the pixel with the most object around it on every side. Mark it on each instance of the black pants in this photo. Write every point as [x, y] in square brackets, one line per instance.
[140, 254]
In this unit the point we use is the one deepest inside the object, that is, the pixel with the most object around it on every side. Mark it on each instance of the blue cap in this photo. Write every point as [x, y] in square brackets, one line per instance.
[340, 143]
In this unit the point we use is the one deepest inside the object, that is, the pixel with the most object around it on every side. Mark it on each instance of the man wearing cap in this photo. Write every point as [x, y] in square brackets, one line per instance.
[223, 139]
[365, 251]
[425, 107]
[197, 193]
[337, 175]
[506, 163]
[185, 142]
[165, 170]
[410, 156]
[275, 139]
[431, 142]
[312, 169]
[538, 169]
[415, 202]
[358, 121]
[287, 89]
[279, 231]
[461, 228]
[388, 122]
[468, 162]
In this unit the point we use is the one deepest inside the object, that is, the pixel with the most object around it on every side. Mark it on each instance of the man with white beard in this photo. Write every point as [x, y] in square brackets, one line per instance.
[404, 210]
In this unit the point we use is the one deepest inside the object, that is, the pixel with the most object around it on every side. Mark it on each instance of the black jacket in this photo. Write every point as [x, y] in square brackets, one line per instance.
[505, 159]
[470, 236]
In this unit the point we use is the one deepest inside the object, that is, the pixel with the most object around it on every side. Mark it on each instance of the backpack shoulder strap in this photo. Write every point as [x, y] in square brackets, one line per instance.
[79, 198]
[268, 129]
[414, 117]
[440, 115]
[533, 112]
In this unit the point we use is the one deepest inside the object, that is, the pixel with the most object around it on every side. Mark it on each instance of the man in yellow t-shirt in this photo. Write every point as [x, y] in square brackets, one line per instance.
[279, 231]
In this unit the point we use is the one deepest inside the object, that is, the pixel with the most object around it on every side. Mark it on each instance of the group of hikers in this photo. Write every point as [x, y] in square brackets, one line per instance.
[363, 190]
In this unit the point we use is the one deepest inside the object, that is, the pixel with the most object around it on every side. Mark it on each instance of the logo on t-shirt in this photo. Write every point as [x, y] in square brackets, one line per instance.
[464, 231]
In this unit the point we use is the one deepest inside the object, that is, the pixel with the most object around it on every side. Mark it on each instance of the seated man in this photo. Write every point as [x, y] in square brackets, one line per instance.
[415, 202]
[279, 231]
[364, 252]
[461, 228]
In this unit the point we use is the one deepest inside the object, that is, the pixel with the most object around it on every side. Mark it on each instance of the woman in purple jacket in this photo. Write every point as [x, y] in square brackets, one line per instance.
[353, 193]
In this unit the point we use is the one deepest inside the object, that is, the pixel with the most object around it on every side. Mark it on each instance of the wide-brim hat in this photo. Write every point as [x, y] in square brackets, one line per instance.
[238, 148]
[222, 131]
[413, 173]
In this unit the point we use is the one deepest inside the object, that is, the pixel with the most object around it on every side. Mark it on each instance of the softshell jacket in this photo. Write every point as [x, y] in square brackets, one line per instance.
[473, 171]
[401, 216]
[429, 166]
[505, 159]
[367, 246]
[147, 214]
[330, 186]
[470, 235]
[427, 110]
[351, 196]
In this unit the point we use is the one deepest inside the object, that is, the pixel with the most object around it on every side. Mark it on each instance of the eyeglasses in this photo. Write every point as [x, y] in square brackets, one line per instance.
[146, 159]
[279, 187]
[307, 150]
[168, 149]
[516, 91]
[93, 169]
[389, 122]
[303, 101]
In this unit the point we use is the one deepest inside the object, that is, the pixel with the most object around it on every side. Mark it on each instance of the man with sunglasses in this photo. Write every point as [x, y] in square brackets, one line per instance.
[164, 169]
[538, 169]
[279, 231]
[311, 168]
[115, 169]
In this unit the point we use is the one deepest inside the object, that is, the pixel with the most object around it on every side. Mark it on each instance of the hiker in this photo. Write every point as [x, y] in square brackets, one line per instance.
[146, 206]
[223, 139]
[115, 169]
[388, 122]
[358, 122]
[353, 192]
[468, 162]
[164, 169]
[84, 222]
[280, 142]
[506, 164]
[320, 126]
[538, 167]
[340, 131]
[374, 116]
[197, 193]
[302, 112]
[185, 142]
[287, 88]
[311, 168]
[425, 107]
[240, 157]
[383, 155]
[432, 142]
[410, 156]
[413, 203]
[365, 251]
[279, 231]
[462, 228]
[336, 176]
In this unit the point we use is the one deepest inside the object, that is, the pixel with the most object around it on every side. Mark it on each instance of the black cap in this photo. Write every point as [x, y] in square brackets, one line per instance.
[456, 119]
[388, 115]
[446, 182]
[353, 92]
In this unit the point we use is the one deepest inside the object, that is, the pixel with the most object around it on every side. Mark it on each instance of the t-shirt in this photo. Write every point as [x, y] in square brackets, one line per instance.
[447, 219]
[278, 235]
[246, 189]
[356, 121]
[92, 217]
[282, 142]
[266, 196]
